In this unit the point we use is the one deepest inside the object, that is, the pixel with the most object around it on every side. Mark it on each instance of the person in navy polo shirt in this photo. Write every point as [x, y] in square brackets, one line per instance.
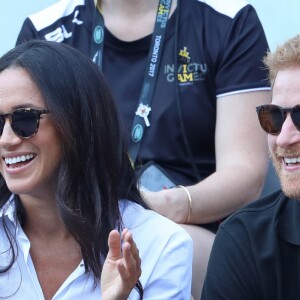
[256, 250]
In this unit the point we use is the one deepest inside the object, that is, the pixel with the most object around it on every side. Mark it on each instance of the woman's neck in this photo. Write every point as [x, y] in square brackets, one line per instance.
[130, 20]
[41, 217]
[128, 8]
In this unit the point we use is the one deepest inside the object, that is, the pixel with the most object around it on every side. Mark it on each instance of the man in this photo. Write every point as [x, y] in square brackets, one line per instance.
[256, 253]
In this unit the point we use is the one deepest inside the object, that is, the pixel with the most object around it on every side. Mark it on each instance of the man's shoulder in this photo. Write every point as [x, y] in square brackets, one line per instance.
[264, 210]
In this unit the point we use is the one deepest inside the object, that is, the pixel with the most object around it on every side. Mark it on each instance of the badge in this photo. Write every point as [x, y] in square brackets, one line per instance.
[143, 111]
[137, 133]
[98, 34]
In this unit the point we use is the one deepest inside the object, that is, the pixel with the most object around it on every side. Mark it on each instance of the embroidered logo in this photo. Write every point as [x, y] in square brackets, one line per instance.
[60, 33]
[183, 56]
[75, 20]
[188, 71]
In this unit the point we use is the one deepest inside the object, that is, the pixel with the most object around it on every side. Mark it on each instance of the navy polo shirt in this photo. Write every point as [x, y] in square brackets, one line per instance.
[256, 254]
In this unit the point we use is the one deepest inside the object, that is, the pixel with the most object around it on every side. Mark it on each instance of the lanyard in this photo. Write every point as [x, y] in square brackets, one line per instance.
[141, 120]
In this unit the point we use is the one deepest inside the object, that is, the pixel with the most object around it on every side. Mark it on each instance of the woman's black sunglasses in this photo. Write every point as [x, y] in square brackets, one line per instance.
[272, 117]
[23, 121]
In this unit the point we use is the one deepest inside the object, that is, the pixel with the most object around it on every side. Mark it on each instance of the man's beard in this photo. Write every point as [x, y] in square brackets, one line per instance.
[289, 181]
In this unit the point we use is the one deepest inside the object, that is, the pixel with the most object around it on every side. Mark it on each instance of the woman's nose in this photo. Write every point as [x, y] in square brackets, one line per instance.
[8, 137]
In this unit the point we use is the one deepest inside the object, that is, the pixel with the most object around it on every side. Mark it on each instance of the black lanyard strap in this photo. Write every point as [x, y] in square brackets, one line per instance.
[141, 120]
[97, 40]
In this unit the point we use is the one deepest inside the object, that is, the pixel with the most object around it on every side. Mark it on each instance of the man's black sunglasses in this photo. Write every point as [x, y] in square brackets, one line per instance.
[272, 117]
[23, 121]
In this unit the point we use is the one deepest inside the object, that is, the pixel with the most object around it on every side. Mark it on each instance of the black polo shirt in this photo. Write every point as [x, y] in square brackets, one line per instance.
[256, 254]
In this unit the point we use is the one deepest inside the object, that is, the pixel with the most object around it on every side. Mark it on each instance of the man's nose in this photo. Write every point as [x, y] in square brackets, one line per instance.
[289, 133]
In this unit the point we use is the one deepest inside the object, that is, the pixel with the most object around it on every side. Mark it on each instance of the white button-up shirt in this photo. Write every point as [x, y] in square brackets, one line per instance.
[164, 247]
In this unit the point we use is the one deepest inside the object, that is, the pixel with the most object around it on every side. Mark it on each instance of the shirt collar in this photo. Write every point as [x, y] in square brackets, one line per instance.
[8, 209]
[288, 222]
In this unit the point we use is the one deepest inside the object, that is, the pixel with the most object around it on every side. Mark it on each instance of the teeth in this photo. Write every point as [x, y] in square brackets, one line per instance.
[17, 159]
[290, 160]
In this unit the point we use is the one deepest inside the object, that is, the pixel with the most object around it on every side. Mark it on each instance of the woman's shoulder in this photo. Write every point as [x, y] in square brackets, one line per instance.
[226, 7]
[61, 11]
[164, 246]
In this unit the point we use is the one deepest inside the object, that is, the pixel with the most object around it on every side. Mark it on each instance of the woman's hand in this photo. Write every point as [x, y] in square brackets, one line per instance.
[121, 269]
[171, 203]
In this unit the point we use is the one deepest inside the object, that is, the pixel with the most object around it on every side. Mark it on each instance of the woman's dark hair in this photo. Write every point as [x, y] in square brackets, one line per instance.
[95, 169]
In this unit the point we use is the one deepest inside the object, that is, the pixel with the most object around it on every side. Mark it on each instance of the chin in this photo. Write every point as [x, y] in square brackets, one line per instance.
[292, 193]
[290, 188]
[289, 181]
[18, 189]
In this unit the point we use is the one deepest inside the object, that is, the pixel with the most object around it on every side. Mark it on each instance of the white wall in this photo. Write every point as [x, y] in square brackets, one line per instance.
[280, 18]
[12, 15]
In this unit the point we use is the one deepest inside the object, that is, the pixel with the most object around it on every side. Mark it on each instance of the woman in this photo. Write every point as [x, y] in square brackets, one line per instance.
[65, 179]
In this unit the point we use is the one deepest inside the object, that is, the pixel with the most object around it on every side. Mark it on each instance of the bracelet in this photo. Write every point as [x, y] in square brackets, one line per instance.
[190, 202]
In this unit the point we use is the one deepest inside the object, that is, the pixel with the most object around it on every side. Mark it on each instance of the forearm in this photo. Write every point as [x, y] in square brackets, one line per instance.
[241, 160]
[225, 191]
[214, 198]
[241, 166]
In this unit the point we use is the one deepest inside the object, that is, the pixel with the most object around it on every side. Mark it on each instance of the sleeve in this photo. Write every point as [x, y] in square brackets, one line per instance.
[171, 276]
[231, 272]
[240, 66]
[28, 32]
